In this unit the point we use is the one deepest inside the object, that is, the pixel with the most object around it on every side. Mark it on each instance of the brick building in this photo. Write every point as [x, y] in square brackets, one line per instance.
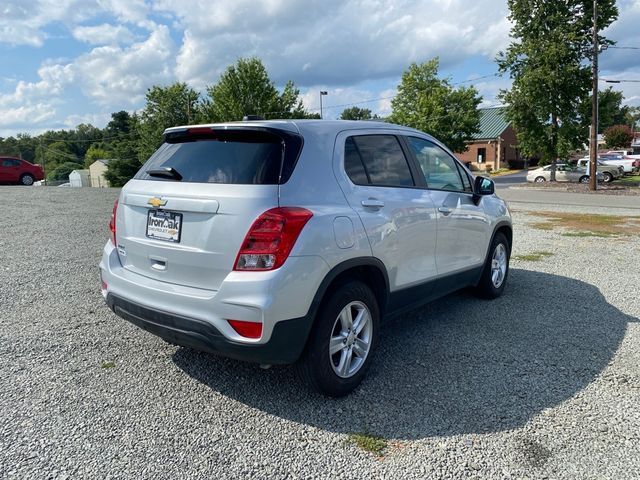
[494, 146]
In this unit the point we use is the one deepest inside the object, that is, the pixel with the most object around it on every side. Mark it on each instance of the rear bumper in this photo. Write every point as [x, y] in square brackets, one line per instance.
[285, 345]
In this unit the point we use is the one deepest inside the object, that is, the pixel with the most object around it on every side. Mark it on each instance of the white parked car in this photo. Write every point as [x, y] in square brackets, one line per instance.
[564, 173]
[626, 162]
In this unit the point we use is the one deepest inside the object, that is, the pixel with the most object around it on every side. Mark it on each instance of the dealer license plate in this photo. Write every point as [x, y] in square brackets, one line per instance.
[163, 225]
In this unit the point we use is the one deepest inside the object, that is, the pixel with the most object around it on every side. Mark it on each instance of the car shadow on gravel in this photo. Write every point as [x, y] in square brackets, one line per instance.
[457, 366]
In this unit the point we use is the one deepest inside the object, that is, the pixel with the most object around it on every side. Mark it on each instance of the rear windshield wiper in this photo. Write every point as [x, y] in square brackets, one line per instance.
[165, 172]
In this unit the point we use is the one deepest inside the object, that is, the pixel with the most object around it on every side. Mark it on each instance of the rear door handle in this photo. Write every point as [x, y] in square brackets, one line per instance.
[445, 210]
[372, 203]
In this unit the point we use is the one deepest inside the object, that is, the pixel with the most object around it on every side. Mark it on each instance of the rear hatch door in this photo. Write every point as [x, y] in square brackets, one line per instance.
[183, 218]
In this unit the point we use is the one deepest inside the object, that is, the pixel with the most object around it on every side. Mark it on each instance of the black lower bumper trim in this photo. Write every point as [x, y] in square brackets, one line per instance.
[285, 346]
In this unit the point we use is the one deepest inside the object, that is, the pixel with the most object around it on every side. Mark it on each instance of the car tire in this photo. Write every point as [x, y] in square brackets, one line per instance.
[27, 179]
[584, 179]
[608, 178]
[540, 180]
[496, 268]
[337, 327]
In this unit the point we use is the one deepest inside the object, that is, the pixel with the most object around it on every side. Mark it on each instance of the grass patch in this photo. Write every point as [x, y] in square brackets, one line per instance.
[501, 171]
[632, 181]
[533, 257]
[108, 365]
[368, 442]
[588, 225]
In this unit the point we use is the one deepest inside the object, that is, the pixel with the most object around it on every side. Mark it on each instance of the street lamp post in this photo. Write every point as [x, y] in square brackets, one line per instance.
[322, 93]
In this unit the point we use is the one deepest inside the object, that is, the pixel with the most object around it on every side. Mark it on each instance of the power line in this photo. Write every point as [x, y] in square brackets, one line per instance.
[624, 48]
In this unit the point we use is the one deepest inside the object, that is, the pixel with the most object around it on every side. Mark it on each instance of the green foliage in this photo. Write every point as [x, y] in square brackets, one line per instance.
[369, 442]
[120, 171]
[618, 136]
[356, 113]
[62, 171]
[431, 104]
[610, 110]
[246, 89]
[547, 62]
[166, 107]
[56, 154]
[96, 152]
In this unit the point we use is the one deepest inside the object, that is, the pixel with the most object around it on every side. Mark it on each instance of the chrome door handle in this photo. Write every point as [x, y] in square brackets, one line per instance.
[372, 203]
[445, 210]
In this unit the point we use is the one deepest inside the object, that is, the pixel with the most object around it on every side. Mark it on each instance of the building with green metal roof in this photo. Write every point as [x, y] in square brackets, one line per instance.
[494, 146]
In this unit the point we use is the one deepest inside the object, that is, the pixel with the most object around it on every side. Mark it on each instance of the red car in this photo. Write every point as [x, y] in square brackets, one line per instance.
[15, 170]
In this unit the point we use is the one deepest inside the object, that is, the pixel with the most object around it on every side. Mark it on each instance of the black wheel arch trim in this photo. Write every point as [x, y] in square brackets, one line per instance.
[498, 226]
[341, 268]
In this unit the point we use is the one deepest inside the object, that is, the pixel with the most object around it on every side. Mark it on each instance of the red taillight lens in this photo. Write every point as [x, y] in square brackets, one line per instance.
[112, 223]
[247, 329]
[271, 238]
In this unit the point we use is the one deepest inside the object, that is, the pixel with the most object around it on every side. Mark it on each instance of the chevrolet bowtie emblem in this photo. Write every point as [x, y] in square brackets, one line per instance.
[157, 202]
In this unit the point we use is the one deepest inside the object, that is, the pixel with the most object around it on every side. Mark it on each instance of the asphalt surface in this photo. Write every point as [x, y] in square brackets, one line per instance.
[541, 383]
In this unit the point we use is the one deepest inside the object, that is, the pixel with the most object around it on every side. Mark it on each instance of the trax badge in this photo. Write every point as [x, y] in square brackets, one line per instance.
[157, 202]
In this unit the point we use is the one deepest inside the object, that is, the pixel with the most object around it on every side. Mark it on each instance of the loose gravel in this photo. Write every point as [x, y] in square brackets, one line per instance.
[541, 383]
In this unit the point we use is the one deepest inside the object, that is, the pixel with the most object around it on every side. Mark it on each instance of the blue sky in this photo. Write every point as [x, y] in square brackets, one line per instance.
[66, 62]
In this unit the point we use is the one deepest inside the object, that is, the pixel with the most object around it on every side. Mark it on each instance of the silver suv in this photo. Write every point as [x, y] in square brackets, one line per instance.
[285, 242]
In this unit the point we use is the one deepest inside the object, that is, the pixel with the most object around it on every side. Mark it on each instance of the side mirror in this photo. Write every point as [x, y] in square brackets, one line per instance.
[483, 186]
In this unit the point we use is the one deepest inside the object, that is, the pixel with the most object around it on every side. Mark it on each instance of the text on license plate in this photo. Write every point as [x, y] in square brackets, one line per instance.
[163, 225]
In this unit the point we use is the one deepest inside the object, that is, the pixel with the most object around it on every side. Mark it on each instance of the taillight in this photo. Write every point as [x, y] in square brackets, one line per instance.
[247, 329]
[271, 238]
[112, 223]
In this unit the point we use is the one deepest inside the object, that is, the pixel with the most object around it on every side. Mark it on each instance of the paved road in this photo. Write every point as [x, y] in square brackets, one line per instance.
[505, 181]
[561, 198]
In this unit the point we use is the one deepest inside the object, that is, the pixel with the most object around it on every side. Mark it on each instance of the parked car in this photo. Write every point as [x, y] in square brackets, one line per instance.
[288, 241]
[564, 173]
[16, 170]
[609, 172]
[626, 153]
[616, 159]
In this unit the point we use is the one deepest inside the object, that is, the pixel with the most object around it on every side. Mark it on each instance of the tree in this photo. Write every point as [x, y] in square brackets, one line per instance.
[547, 63]
[58, 153]
[246, 89]
[431, 104]
[610, 110]
[62, 171]
[618, 136]
[125, 148]
[166, 107]
[356, 113]
[96, 151]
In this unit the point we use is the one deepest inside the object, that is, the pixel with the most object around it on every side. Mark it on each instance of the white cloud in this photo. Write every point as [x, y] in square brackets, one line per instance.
[104, 34]
[25, 116]
[356, 50]
[332, 41]
[115, 76]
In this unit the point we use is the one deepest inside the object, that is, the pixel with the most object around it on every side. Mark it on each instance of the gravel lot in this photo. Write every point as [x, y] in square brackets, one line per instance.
[541, 383]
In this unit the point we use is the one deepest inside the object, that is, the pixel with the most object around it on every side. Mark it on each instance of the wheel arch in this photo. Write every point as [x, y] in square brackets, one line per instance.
[368, 270]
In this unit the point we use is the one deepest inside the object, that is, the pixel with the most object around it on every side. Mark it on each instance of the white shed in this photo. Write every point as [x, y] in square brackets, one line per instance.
[80, 178]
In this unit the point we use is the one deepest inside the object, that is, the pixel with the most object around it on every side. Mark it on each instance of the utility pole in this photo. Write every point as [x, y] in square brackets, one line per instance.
[593, 143]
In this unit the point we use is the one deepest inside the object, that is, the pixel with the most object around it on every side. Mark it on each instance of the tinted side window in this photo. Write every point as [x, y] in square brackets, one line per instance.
[466, 180]
[439, 168]
[353, 163]
[383, 160]
[10, 163]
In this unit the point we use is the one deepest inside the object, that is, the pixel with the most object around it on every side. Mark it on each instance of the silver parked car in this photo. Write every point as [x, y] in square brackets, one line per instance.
[285, 242]
[564, 173]
[609, 172]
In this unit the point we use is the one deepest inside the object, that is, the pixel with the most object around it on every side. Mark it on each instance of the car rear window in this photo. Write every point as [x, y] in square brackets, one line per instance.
[240, 156]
